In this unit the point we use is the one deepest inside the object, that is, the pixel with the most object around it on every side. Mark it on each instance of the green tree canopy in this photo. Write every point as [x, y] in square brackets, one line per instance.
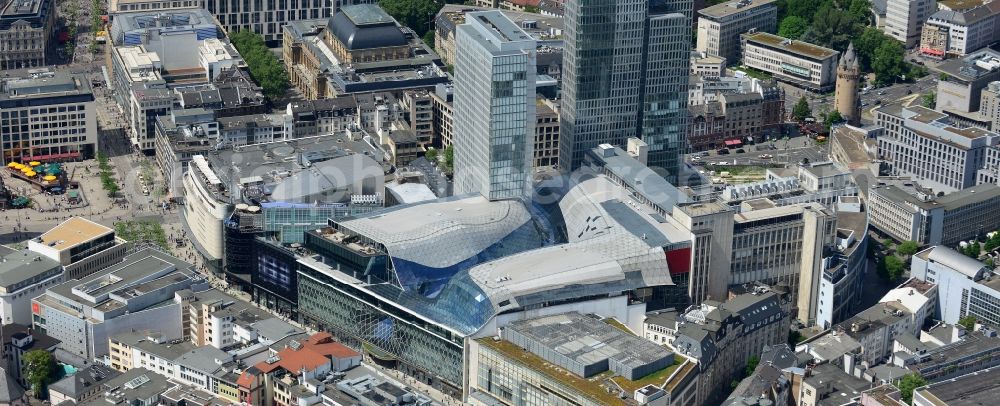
[793, 27]
[929, 100]
[833, 118]
[801, 109]
[860, 11]
[830, 28]
[969, 322]
[751, 365]
[894, 267]
[416, 14]
[888, 62]
[39, 370]
[265, 68]
[907, 248]
[908, 384]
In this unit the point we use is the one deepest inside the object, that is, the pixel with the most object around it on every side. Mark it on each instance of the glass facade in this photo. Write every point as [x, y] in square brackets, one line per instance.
[364, 320]
[494, 109]
[625, 70]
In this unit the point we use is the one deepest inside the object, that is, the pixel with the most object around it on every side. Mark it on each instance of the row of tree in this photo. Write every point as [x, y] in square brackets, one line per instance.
[265, 69]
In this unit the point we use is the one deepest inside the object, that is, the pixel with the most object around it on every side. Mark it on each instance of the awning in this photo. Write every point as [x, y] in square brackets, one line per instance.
[53, 156]
[733, 143]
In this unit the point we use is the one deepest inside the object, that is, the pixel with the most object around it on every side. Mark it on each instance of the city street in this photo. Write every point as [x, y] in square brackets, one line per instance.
[788, 150]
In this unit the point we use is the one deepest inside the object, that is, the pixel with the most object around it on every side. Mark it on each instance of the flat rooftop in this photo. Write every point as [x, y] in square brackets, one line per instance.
[592, 387]
[39, 83]
[791, 46]
[732, 7]
[366, 14]
[21, 266]
[974, 343]
[960, 4]
[73, 232]
[975, 389]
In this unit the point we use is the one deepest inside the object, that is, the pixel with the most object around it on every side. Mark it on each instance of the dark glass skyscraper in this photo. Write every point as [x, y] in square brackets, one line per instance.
[625, 74]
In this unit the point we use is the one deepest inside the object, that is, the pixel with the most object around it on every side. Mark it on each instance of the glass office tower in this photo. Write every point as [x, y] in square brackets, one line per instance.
[625, 72]
[494, 107]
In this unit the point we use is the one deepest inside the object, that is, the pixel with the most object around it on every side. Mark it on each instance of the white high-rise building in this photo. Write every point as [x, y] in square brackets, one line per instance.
[904, 19]
[494, 107]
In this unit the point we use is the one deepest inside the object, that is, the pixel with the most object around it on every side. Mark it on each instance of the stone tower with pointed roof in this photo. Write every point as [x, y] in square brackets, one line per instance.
[846, 94]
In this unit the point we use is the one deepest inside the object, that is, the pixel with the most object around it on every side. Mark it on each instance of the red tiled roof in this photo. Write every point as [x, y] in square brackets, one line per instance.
[245, 380]
[315, 351]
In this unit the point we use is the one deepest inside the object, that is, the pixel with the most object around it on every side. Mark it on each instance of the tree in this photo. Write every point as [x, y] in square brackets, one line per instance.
[751, 365]
[794, 337]
[805, 9]
[888, 62]
[893, 267]
[992, 243]
[265, 68]
[908, 384]
[860, 12]
[416, 14]
[801, 109]
[39, 370]
[969, 322]
[907, 248]
[449, 158]
[831, 28]
[971, 250]
[929, 100]
[833, 118]
[431, 156]
[793, 27]
[429, 38]
[866, 44]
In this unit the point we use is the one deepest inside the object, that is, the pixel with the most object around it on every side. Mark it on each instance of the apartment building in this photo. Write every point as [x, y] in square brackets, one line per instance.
[46, 116]
[753, 113]
[928, 147]
[720, 26]
[955, 33]
[905, 19]
[26, 32]
[802, 64]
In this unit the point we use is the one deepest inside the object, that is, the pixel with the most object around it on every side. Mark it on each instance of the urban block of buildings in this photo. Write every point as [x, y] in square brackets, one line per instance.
[26, 33]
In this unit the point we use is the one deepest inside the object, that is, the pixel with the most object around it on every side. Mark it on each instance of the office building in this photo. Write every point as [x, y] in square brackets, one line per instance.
[783, 245]
[930, 220]
[494, 107]
[958, 32]
[361, 49]
[46, 116]
[974, 387]
[136, 294]
[801, 64]
[704, 65]
[26, 32]
[904, 19]
[820, 182]
[720, 25]
[522, 355]
[966, 287]
[929, 148]
[722, 337]
[216, 319]
[24, 275]
[967, 76]
[545, 29]
[82, 247]
[630, 83]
